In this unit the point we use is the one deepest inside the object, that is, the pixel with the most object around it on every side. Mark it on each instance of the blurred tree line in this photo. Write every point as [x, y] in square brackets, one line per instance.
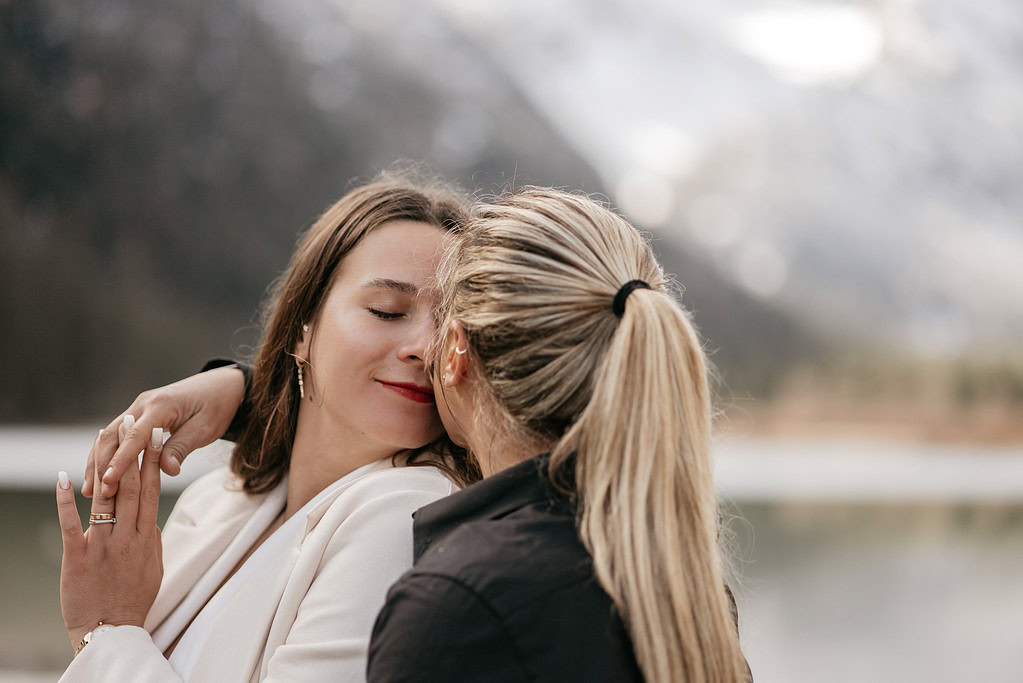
[157, 161]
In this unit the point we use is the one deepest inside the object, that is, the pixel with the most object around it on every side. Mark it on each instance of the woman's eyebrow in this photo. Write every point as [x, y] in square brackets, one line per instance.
[387, 283]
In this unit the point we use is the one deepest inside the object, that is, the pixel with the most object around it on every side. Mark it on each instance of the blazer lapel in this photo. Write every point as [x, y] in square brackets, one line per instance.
[244, 624]
[193, 544]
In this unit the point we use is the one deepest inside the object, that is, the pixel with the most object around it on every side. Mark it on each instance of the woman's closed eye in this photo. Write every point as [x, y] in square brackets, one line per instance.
[386, 315]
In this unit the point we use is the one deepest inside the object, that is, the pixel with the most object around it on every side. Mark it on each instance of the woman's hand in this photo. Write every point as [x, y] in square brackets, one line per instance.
[112, 572]
[196, 411]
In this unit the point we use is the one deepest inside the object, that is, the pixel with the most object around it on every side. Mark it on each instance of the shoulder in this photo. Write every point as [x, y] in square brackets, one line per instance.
[477, 606]
[491, 586]
[211, 492]
[360, 536]
[433, 628]
[214, 484]
[377, 507]
[514, 560]
[386, 478]
[384, 487]
[517, 544]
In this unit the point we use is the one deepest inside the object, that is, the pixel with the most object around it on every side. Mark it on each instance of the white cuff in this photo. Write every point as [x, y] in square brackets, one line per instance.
[100, 630]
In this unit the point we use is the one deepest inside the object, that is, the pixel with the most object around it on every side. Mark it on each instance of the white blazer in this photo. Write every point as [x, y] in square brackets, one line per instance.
[305, 615]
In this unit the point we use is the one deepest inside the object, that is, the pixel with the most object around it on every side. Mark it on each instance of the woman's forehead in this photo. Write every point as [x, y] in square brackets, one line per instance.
[396, 255]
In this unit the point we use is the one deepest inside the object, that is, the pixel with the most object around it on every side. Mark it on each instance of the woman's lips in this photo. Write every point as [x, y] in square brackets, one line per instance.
[410, 391]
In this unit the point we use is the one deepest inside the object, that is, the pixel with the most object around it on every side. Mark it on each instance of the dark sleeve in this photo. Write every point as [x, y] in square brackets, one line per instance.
[433, 628]
[241, 417]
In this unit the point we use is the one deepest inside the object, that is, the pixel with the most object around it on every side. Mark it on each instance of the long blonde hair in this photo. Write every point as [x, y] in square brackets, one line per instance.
[625, 402]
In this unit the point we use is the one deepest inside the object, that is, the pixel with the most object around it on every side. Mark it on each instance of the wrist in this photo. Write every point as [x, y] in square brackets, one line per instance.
[80, 639]
[75, 633]
[82, 636]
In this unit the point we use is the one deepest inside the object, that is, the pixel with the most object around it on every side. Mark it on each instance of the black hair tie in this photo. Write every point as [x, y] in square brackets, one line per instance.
[619, 303]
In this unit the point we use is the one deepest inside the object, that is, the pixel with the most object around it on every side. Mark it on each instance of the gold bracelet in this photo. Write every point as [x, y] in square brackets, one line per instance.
[87, 638]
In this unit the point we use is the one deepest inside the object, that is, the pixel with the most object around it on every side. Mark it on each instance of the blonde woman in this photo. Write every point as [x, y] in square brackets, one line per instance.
[273, 569]
[589, 552]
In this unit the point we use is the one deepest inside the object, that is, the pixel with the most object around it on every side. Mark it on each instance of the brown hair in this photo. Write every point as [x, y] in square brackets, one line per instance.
[625, 401]
[263, 450]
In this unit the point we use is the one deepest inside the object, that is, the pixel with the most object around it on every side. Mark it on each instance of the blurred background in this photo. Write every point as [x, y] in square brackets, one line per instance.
[836, 183]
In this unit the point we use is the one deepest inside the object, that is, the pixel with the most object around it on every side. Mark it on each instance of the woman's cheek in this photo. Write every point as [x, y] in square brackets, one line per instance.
[349, 338]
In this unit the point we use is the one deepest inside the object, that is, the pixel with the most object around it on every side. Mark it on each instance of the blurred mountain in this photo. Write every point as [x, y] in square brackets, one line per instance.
[157, 161]
[857, 164]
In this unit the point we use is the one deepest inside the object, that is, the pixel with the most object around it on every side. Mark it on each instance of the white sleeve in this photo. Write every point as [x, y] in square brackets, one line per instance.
[370, 550]
[125, 653]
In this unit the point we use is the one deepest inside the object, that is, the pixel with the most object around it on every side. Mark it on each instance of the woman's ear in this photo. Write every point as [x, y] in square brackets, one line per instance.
[302, 347]
[455, 354]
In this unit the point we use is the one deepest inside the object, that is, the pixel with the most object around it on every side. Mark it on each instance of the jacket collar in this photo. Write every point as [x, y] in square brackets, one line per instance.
[494, 497]
[319, 508]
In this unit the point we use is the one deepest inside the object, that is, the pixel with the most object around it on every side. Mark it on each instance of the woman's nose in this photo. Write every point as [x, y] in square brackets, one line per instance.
[414, 346]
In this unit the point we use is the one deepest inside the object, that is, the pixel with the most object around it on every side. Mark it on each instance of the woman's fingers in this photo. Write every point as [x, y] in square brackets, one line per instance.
[149, 477]
[120, 425]
[112, 464]
[67, 513]
[102, 496]
[192, 435]
[90, 470]
[126, 502]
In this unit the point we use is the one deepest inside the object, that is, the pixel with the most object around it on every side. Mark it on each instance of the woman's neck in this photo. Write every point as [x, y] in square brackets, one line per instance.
[495, 453]
[321, 454]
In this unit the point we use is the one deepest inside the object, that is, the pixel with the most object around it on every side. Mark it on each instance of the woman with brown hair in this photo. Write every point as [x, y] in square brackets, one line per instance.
[274, 568]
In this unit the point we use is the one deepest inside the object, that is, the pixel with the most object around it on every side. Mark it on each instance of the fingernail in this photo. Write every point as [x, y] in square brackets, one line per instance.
[156, 443]
[128, 422]
[62, 479]
[110, 470]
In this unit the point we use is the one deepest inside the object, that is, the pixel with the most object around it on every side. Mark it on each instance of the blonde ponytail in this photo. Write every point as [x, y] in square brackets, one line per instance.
[648, 512]
[626, 401]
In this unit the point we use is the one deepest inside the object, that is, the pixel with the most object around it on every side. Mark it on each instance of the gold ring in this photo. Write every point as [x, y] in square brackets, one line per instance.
[103, 521]
[101, 515]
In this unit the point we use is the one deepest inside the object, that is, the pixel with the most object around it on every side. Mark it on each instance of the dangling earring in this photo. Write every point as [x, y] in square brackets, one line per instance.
[298, 364]
[301, 384]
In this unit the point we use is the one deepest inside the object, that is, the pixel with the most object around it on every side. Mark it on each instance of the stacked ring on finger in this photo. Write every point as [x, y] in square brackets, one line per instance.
[102, 518]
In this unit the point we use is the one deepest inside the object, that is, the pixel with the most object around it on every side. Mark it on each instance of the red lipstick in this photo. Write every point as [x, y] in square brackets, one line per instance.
[412, 392]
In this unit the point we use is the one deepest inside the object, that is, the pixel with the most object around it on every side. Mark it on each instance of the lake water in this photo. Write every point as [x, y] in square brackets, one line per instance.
[858, 561]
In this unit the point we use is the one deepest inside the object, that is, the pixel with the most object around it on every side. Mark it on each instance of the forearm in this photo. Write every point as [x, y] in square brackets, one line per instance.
[241, 417]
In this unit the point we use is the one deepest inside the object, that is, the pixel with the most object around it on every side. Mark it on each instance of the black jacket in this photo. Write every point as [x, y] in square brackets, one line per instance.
[502, 590]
